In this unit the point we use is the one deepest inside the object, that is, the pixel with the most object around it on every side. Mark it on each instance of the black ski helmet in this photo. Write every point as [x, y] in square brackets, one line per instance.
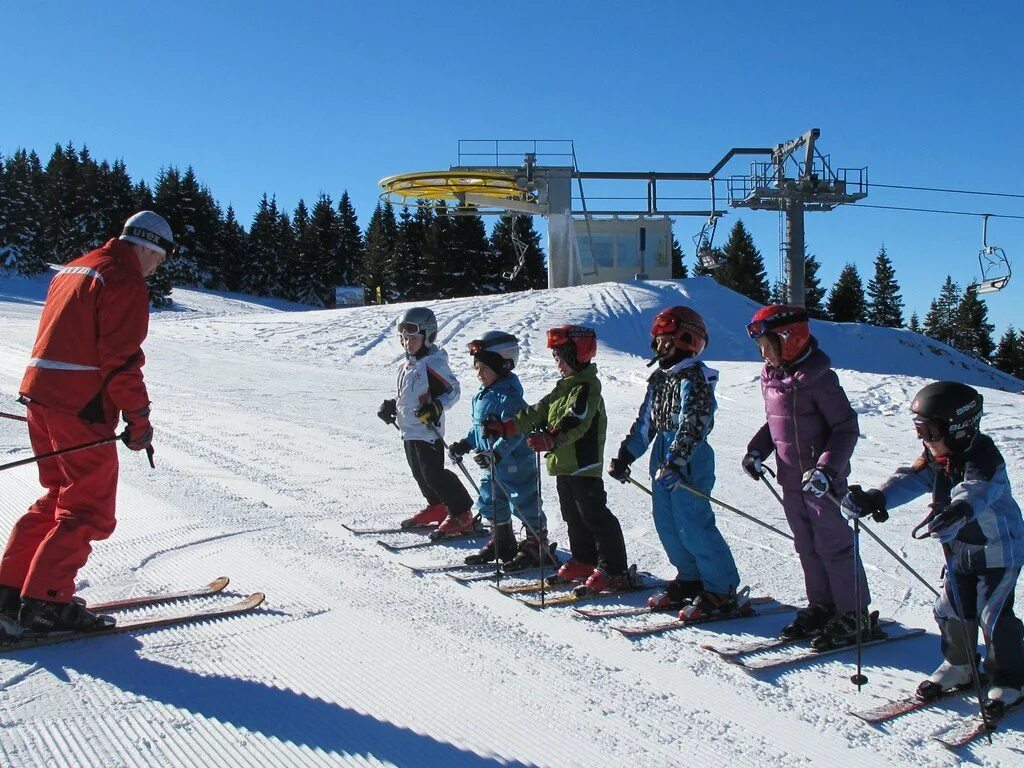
[955, 409]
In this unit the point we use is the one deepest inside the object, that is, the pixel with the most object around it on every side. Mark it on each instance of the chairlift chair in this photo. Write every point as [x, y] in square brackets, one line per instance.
[995, 267]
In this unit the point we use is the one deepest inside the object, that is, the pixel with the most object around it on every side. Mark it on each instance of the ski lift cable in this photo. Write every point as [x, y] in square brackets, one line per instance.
[936, 210]
[951, 191]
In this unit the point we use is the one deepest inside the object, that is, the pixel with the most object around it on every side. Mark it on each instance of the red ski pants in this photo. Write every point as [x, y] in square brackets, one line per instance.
[52, 541]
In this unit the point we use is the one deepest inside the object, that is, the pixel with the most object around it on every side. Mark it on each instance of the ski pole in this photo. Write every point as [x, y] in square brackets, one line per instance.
[458, 461]
[722, 504]
[860, 678]
[62, 451]
[887, 548]
[970, 647]
[543, 583]
[12, 416]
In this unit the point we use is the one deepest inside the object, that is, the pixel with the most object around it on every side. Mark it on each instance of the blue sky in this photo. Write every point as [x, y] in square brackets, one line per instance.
[307, 97]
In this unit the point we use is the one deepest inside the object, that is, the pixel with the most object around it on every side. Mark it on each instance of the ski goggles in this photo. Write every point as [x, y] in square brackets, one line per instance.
[410, 329]
[477, 346]
[163, 243]
[558, 337]
[670, 326]
[759, 328]
[929, 430]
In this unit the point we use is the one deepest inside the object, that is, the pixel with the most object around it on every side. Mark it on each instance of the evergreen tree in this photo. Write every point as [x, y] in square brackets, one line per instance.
[846, 301]
[21, 221]
[885, 304]
[814, 292]
[143, 196]
[474, 271]
[88, 223]
[1010, 354]
[175, 201]
[435, 254]
[286, 249]
[743, 270]
[679, 270]
[233, 249]
[350, 249]
[974, 335]
[407, 256]
[941, 321]
[377, 271]
[778, 293]
[261, 275]
[915, 323]
[61, 204]
[318, 245]
[116, 198]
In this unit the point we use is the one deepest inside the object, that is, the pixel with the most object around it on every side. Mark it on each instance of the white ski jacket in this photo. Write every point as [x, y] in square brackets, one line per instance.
[420, 380]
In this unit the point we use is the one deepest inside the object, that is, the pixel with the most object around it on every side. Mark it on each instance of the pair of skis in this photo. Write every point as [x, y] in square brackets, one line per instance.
[959, 733]
[763, 649]
[24, 639]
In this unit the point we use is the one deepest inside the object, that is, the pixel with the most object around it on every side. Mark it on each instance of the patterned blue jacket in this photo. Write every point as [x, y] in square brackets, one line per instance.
[992, 534]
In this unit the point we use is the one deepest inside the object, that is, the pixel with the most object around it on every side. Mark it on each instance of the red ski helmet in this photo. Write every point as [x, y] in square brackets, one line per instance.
[788, 324]
[689, 334]
[575, 344]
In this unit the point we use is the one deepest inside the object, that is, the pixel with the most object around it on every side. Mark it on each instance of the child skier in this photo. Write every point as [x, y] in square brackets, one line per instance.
[812, 429]
[979, 523]
[427, 388]
[508, 460]
[677, 415]
[570, 424]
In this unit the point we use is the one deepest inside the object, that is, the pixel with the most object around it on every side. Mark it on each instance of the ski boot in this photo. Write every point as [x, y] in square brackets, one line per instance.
[501, 546]
[809, 621]
[675, 593]
[454, 524]
[432, 513]
[574, 570]
[842, 630]
[998, 700]
[602, 581]
[529, 552]
[10, 602]
[709, 605]
[42, 616]
[947, 677]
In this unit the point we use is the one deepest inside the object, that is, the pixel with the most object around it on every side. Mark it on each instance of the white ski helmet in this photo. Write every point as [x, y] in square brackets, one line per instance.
[150, 230]
[498, 350]
[418, 321]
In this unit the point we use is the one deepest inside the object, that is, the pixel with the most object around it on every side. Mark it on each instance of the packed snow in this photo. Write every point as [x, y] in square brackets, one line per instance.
[267, 441]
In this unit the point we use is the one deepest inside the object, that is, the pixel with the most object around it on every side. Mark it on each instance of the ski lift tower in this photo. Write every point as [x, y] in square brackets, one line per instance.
[812, 186]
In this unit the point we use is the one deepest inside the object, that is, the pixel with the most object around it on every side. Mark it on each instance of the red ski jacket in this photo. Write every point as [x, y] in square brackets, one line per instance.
[87, 359]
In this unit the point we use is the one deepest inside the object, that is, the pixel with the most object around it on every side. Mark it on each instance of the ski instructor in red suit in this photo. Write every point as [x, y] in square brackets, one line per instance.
[85, 372]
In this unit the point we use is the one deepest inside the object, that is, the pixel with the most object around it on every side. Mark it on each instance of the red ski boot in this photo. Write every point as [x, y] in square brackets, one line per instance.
[430, 514]
[717, 604]
[574, 570]
[602, 581]
[455, 525]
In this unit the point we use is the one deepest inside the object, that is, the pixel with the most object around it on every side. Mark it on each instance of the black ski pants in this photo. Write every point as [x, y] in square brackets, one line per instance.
[595, 535]
[988, 595]
[437, 484]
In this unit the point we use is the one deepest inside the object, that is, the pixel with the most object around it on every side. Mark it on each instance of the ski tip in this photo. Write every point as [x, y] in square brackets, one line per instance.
[254, 600]
[218, 584]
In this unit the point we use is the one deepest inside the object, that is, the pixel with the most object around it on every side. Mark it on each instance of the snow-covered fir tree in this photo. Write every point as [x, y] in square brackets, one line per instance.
[941, 321]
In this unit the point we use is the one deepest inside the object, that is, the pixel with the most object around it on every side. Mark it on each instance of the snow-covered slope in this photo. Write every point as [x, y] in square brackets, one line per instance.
[267, 440]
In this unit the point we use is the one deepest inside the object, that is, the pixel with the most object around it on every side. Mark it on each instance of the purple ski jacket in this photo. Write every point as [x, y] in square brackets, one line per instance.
[810, 422]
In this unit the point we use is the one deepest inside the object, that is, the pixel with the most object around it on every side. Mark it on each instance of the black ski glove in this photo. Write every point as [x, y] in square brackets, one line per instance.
[752, 465]
[388, 412]
[457, 450]
[618, 468]
[860, 503]
[485, 459]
